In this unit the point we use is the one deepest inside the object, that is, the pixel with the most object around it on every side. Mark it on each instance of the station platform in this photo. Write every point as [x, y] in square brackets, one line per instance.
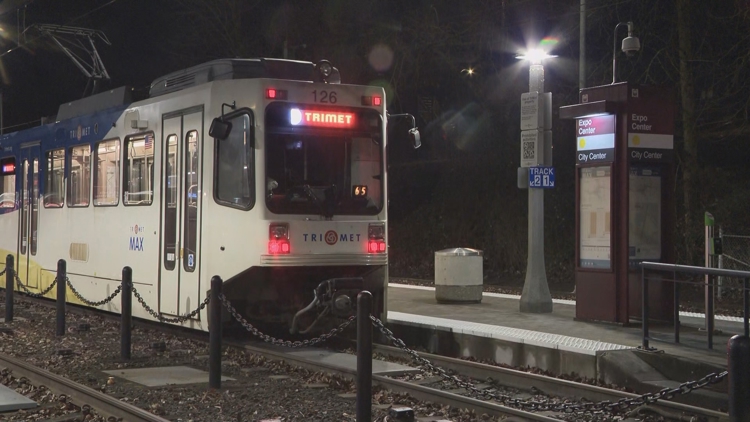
[495, 330]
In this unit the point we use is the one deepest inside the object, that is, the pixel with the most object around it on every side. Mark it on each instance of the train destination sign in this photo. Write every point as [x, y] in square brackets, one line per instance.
[302, 117]
[595, 140]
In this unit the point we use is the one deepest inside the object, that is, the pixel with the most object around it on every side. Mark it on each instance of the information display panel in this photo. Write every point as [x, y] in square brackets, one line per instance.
[644, 215]
[595, 214]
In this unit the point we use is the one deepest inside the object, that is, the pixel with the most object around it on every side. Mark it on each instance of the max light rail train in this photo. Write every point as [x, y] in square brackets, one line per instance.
[269, 173]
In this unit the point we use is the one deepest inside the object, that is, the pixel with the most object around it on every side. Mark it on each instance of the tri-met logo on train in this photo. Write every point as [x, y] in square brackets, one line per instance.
[136, 242]
[331, 237]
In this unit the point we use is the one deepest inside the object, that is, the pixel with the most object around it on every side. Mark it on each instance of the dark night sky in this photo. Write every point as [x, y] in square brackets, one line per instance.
[37, 76]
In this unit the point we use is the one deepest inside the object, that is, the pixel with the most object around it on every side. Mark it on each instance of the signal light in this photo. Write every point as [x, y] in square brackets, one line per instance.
[375, 100]
[276, 94]
[278, 239]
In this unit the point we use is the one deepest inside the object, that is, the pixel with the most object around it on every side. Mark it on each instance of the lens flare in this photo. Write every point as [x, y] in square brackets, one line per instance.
[548, 42]
[381, 57]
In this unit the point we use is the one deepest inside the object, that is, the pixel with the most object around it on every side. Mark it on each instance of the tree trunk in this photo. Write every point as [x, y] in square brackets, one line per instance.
[689, 160]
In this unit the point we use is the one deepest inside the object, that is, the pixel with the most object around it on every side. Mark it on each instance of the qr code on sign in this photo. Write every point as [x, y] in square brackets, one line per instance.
[528, 150]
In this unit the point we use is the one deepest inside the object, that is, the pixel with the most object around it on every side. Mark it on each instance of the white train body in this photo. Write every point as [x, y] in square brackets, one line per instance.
[296, 194]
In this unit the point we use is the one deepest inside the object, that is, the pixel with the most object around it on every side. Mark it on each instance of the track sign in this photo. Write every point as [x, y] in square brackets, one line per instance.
[542, 177]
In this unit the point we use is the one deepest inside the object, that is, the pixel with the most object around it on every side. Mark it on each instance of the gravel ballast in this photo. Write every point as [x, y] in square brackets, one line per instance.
[264, 390]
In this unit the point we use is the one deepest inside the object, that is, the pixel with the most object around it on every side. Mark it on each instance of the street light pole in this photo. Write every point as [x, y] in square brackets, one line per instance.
[536, 297]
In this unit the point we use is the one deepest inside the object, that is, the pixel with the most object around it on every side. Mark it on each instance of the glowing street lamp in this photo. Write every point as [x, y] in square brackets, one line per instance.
[535, 56]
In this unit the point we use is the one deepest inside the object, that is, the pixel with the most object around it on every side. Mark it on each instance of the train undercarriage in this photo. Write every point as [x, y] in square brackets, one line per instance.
[304, 300]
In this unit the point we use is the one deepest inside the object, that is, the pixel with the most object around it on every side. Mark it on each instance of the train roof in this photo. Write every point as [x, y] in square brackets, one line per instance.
[233, 69]
[193, 76]
[101, 101]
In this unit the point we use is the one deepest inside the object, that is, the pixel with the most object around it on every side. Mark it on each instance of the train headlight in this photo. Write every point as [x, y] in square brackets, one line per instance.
[278, 239]
[328, 73]
[325, 68]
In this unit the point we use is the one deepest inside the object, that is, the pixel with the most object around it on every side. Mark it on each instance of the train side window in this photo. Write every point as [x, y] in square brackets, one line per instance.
[54, 185]
[8, 183]
[234, 168]
[138, 172]
[79, 178]
[107, 173]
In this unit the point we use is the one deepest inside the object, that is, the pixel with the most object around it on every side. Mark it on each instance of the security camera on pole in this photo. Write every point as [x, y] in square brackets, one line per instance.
[630, 46]
[536, 173]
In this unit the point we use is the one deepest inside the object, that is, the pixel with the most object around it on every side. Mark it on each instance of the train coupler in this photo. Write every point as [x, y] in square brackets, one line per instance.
[334, 296]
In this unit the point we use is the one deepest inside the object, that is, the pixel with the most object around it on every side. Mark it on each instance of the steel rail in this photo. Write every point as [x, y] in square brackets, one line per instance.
[548, 385]
[417, 391]
[421, 392]
[81, 395]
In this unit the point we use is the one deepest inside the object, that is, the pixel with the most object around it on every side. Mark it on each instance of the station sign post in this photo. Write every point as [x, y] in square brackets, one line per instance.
[624, 212]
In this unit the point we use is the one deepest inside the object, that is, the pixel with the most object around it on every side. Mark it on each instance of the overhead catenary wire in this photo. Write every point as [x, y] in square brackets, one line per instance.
[67, 23]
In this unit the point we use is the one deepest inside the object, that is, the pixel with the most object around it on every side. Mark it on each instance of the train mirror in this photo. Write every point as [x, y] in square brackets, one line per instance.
[414, 136]
[220, 129]
[413, 132]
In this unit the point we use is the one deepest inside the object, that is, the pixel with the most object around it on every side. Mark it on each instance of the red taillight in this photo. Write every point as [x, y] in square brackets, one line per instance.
[376, 246]
[271, 93]
[376, 101]
[278, 247]
[278, 239]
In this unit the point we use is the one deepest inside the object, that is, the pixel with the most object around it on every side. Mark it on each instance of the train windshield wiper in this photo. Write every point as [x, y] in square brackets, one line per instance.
[308, 192]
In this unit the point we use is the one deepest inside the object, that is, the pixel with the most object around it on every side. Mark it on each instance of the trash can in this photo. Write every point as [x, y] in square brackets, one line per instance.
[458, 275]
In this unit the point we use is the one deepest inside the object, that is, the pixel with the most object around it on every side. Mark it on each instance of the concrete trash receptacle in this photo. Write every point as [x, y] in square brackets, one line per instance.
[458, 275]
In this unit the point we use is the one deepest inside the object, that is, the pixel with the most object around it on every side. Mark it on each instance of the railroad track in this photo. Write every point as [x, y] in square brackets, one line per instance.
[514, 379]
[553, 386]
[507, 377]
[106, 406]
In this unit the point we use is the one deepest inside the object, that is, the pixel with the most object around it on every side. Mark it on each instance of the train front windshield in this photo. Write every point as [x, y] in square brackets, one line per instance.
[324, 170]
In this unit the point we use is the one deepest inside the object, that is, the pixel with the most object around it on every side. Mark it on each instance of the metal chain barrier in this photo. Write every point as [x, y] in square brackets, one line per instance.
[29, 292]
[176, 320]
[2, 273]
[278, 342]
[89, 302]
[535, 405]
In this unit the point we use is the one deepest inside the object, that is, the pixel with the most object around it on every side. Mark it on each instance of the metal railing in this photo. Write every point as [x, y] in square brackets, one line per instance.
[712, 275]
[735, 255]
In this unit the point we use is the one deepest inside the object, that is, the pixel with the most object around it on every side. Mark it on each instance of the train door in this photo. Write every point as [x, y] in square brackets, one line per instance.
[179, 283]
[28, 269]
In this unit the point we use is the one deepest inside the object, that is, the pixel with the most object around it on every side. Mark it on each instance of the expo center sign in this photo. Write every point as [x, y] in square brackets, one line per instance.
[650, 126]
[595, 139]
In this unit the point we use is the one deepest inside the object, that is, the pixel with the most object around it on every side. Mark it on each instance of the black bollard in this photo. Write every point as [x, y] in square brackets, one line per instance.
[9, 287]
[745, 305]
[214, 334]
[61, 285]
[364, 357]
[644, 308]
[738, 351]
[126, 314]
